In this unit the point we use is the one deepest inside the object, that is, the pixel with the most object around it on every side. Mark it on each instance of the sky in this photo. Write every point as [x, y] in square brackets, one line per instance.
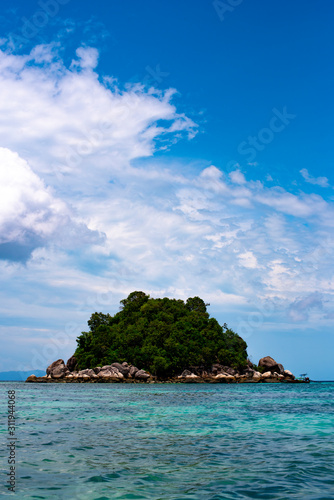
[179, 148]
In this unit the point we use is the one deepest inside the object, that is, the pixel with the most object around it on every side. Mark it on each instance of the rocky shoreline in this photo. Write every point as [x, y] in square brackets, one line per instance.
[270, 372]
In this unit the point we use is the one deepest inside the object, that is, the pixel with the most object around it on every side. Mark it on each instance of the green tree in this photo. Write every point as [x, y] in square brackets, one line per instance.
[163, 336]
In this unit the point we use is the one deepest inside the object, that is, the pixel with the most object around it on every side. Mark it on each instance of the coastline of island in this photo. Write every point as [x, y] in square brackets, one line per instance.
[272, 372]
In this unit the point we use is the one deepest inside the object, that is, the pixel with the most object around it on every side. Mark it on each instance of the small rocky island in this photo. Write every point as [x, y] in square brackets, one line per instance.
[162, 340]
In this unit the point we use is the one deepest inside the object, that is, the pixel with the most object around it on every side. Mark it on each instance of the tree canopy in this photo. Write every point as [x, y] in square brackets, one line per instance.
[163, 336]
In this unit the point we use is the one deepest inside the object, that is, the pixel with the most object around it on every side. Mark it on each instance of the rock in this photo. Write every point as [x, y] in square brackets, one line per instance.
[216, 368]
[124, 370]
[266, 375]
[185, 373]
[288, 374]
[71, 363]
[125, 364]
[269, 364]
[116, 372]
[142, 375]
[97, 369]
[105, 374]
[257, 376]
[58, 371]
[88, 371]
[31, 378]
[133, 370]
[225, 377]
[230, 371]
[53, 365]
[191, 375]
[280, 368]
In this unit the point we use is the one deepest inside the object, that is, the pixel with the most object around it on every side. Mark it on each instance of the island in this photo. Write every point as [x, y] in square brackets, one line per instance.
[162, 340]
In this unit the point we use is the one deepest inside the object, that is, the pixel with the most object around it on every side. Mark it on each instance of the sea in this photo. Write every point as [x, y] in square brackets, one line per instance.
[169, 441]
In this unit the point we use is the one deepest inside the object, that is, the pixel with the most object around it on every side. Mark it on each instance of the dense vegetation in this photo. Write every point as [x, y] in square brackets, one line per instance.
[163, 336]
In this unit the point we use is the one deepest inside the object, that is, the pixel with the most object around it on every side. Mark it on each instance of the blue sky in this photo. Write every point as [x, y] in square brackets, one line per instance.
[179, 148]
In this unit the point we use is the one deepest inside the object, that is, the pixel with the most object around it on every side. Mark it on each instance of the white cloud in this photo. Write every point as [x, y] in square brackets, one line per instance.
[29, 213]
[248, 260]
[88, 58]
[318, 181]
[237, 177]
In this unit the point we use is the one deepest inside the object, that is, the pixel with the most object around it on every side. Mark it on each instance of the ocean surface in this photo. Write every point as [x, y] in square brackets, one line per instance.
[171, 441]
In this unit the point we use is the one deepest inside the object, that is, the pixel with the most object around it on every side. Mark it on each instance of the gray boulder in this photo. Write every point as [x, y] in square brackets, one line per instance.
[133, 371]
[142, 375]
[269, 364]
[71, 363]
[53, 365]
[59, 371]
[124, 370]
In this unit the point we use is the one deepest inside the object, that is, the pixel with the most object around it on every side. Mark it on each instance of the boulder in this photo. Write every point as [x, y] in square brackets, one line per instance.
[230, 371]
[124, 370]
[185, 373]
[31, 378]
[116, 373]
[269, 364]
[191, 375]
[288, 374]
[133, 371]
[71, 363]
[266, 375]
[58, 372]
[53, 365]
[142, 375]
[216, 368]
[88, 371]
[105, 374]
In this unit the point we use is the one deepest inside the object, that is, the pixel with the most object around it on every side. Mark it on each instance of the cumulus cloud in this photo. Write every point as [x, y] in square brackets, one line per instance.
[30, 215]
[65, 121]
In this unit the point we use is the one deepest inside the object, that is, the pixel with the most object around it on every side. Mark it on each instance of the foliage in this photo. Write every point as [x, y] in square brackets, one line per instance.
[164, 336]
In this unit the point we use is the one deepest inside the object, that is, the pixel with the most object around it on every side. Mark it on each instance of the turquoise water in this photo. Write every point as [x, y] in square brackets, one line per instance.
[173, 441]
